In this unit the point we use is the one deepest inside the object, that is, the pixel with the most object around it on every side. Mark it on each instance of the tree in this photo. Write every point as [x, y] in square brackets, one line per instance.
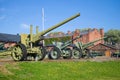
[114, 36]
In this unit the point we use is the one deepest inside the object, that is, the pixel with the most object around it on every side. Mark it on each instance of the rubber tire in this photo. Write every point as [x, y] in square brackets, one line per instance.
[80, 53]
[58, 53]
[24, 52]
[70, 54]
[43, 51]
[88, 54]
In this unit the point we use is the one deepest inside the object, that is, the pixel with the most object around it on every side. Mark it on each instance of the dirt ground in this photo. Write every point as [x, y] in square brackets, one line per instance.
[8, 59]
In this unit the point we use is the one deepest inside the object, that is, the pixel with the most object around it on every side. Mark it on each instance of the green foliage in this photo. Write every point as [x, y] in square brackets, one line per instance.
[58, 39]
[115, 36]
[73, 70]
[85, 29]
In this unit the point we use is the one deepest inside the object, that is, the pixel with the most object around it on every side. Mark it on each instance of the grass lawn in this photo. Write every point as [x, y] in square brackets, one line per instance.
[73, 70]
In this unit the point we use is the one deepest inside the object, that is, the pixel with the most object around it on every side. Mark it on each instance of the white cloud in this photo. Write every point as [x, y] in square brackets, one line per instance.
[24, 26]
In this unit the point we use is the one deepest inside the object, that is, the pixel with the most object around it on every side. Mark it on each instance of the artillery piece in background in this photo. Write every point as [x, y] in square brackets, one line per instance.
[83, 49]
[31, 43]
[68, 50]
[61, 49]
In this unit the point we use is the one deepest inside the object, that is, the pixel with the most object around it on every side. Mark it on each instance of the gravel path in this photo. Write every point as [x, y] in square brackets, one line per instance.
[8, 59]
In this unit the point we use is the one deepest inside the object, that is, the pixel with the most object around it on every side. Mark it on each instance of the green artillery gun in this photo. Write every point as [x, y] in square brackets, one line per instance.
[81, 49]
[32, 43]
[59, 49]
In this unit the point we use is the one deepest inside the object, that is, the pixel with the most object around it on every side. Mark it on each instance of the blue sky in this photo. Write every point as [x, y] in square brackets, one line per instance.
[17, 15]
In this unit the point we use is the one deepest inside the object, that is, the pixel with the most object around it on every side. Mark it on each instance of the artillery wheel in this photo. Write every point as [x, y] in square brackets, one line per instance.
[54, 53]
[40, 56]
[68, 53]
[88, 54]
[19, 52]
[76, 53]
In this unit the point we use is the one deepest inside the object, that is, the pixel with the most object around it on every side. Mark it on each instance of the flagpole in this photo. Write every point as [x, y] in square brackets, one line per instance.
[43, 23]
[43, 19]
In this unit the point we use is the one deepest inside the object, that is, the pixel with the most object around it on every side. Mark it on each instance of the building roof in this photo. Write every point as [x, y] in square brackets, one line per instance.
[9, 38]
[102, 47]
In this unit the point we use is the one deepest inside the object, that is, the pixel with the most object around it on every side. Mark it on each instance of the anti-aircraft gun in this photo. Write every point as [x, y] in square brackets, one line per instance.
[31, 43]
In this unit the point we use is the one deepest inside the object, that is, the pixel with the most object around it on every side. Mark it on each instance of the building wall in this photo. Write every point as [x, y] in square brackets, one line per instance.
[95, 34]
[90, 36]
[10, 44]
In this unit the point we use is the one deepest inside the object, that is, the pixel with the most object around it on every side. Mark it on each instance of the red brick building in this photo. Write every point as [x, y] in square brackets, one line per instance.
[89, 35]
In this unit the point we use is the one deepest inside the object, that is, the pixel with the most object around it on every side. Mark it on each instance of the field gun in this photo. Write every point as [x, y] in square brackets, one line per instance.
[81, 49]
[61, 49]
[32, 43]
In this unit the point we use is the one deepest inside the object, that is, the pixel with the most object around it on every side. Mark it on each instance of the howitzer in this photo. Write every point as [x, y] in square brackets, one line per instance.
[30, 43]
[61, 49]
[82, 49]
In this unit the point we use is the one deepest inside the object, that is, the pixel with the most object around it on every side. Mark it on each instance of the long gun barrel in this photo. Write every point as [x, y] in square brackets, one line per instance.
[37, 36]
[92, 43]
[70, 41]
